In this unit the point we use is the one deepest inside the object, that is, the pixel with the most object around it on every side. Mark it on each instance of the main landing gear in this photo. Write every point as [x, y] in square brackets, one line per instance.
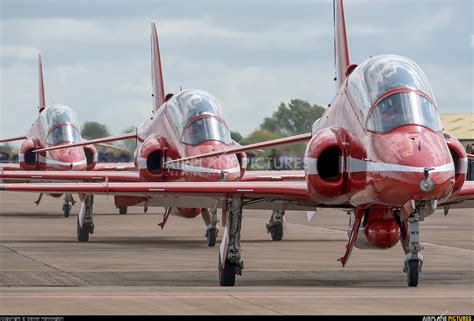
[85, 219]
[275, 226]
[68, 204]
[230, 262]
[412, 248]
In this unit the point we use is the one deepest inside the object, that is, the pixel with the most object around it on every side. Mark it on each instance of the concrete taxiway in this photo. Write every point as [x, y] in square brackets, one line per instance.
[130, 266]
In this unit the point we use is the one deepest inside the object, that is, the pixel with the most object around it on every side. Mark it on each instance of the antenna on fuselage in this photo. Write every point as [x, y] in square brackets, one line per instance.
[180, 88]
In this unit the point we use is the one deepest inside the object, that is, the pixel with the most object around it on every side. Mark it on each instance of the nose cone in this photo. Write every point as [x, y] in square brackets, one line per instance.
[66, 159]
[213, 168]
[413, 162]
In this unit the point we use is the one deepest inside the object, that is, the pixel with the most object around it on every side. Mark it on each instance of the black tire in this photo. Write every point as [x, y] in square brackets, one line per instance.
[82, 234]
[211, 237]
[413, 272]
[276, 231]
[123, 210]
[66, 210]
[227, 275]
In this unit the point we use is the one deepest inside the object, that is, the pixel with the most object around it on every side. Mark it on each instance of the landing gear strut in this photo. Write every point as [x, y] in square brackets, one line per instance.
[210, 219]
[275, 226]
[230, 262]
[67, 204]
[85, 219]
[413, 257]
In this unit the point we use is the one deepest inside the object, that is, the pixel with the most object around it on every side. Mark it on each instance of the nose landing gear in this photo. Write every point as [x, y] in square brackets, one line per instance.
[275, 226]
[68, 204]
[85, 219]
[413, 258]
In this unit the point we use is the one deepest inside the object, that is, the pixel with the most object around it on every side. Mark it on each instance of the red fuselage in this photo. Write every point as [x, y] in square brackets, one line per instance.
[161, 138]
[48, 132]
[348, 162]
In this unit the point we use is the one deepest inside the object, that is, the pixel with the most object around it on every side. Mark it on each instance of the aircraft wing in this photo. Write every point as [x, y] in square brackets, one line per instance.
[114, 167]
[10, 167]
[12, 139]
[465, 194]
[98, 167]
[238, 149]
[88, 142]
[286, 175]
[68, 176]
[258, 195]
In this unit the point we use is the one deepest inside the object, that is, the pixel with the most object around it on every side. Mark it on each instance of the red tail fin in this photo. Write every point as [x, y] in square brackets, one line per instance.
[156, 71]
[341, 47]
[42, 99]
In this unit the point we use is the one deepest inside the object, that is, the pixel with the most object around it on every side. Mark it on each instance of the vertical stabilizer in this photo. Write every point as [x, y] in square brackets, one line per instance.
[156, 71]
[42, 99]
[341, 47]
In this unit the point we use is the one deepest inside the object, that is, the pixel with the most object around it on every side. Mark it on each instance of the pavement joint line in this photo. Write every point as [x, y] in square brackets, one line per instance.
[462, 249]
[171, 295]
[45, 264]
[255, 304]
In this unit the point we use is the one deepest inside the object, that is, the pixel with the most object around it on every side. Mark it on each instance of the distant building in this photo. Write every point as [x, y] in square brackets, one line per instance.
[460, 126]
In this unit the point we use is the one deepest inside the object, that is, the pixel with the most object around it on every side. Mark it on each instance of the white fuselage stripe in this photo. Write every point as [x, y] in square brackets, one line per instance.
[355, 165]
[198, 169]
[49, 161]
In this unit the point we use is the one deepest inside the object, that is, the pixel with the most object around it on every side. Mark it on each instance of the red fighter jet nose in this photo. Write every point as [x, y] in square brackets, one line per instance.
[414, 163]
[66, 159]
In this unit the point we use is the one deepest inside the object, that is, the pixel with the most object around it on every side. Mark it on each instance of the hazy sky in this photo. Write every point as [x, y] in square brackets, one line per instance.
[251, 55]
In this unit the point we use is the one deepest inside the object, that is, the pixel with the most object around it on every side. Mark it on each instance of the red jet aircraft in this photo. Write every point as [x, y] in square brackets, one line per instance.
[57, 125]
[185, 124]
[379, 151]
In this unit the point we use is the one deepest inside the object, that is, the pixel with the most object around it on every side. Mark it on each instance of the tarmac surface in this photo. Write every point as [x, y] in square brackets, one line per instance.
[130, 266]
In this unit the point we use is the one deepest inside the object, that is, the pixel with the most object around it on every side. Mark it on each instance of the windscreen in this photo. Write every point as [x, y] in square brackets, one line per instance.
[381, 74]
[403, 108]
[206, 128]
[198, 116]
[63, 132]
[60, 124]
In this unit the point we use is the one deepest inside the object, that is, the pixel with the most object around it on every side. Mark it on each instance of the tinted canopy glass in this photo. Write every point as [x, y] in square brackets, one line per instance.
[403, 108]
[198, 117]
[207, 128]
[60, 124]
[55, 114]
[381, 74]
[63, 132]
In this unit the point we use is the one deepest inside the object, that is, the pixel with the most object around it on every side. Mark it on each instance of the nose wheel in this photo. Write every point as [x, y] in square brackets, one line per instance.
[209, 215]
[413, 272]
[227, 274]
[413, 259]
[85, 219]
[275, 226]
[230, 259]
[211, 235]
[67, 204]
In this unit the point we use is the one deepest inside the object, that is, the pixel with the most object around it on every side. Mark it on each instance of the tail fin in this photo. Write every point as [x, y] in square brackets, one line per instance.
[42, 99]
[341, 47]
[156, 71]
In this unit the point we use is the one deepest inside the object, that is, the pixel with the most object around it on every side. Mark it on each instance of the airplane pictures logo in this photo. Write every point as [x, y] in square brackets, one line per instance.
[447, 318]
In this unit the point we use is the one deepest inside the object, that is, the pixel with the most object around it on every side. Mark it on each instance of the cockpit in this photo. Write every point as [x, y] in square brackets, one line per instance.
[60, 125]
[391, 91]
[197, 117]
